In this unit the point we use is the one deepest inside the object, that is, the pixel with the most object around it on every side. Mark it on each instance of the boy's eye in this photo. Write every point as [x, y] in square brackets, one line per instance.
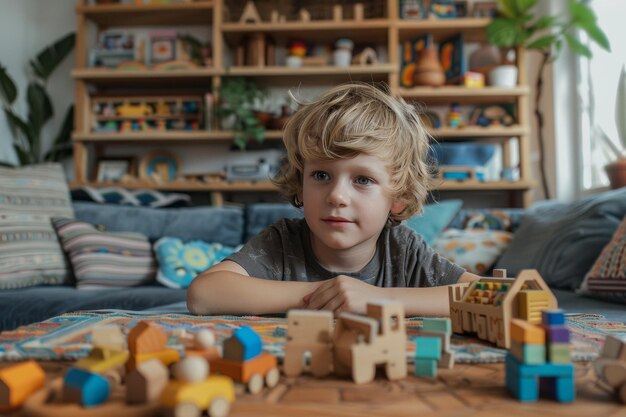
[319, 175]
[363, 180]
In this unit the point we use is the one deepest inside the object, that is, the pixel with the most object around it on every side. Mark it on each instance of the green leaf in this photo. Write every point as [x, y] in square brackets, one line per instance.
[543, 22]
[577, 46]
[52, 55]
[524, 6]
[596, 34]
[507, 8]
[7, 87]
[21, 130]
[240, 140]
[542, 42]
[40, 107]
[62, 146]
[581, 13]
[502, 32]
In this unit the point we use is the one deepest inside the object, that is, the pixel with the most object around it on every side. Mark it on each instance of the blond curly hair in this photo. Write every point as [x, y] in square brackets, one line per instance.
[353, 119]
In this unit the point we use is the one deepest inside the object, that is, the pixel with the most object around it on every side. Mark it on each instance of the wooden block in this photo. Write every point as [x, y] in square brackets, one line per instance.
[524, 332]
[309, 332]
[304, 15]
[145, 383]
[110, 337]
[427, 348]
[250, 14]
[437, 325]
[145, 338]
[447, 360]
[614, 348]
[358, 11]
[556, 334]
[615, 374]
[426, 368]
[554, 317]
[337, 12]
[274, 16]
[85, 388]
[531, 303]
[530, 354]
[444, 337]
[243, 345]
[559, 353]
[18, 382]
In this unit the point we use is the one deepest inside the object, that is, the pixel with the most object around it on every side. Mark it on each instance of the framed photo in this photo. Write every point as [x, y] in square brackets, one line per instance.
[485, 9]
[112, 169]
[413, 9]
[461, 8]
[163, 46]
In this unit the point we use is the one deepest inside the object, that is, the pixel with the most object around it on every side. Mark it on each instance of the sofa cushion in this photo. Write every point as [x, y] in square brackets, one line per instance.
[562, 240]
[30, 253]
[180, 263]
[105, 259]
[29, 305]
[261, 215]
[434, 220]
[210, 224]
[119, 195]
[476, 250]
[607, 277]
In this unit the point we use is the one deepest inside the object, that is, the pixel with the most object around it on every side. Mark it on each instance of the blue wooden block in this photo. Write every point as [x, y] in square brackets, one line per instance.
[94, 389]
[426, 367]
[427, 348]
[554, 317]
[437, 325]
[523, 380]
[250, 341]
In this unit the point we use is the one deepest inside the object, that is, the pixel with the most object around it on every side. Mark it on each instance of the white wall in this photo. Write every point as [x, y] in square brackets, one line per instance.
[26, 27]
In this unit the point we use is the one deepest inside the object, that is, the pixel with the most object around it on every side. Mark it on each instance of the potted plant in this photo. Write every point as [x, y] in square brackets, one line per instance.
[238, 99]
[616, 170]
[27, 131]
[519, 26]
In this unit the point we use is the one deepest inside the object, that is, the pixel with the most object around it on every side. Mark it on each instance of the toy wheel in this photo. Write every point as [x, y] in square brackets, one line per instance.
[272, 377]
[187, 410]
[255, 384]
[219, 407]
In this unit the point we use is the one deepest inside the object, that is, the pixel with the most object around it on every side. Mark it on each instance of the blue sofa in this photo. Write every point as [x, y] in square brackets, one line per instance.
[227, 225]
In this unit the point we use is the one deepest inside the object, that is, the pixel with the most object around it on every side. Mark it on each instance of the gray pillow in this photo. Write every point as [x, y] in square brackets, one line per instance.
[210, 224]
[562, 240]
[261, 215]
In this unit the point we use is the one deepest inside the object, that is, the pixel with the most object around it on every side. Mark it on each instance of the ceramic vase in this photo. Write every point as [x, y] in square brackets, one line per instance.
[428, 69]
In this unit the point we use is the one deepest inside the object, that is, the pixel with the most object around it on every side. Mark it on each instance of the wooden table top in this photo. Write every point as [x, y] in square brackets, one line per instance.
[466, 390]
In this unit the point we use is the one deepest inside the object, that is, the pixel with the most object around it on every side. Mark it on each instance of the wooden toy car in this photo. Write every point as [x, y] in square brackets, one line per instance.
[18, 382]
[101, 360]
[183, 398]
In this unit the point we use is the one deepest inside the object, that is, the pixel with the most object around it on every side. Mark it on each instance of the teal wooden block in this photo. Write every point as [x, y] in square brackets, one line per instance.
[437, 325]
[522, 380]
[426, 367]
[531, 354]
[427, 348]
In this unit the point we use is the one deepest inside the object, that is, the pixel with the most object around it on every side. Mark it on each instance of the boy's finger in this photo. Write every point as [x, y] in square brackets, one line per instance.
[317, 301]
[334, 303]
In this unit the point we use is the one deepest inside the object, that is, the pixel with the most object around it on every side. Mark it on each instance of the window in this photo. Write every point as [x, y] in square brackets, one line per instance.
[597, 88]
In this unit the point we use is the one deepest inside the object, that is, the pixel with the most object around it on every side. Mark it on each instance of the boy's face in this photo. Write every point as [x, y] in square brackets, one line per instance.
[347, 203]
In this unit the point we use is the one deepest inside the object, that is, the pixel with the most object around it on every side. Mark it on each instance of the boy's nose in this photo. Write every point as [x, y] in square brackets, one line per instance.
[338, 195]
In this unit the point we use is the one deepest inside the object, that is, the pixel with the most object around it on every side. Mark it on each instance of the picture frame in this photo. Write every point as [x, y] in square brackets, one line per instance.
[163, 46]
[413, 9]
[113, 169]
[485, 9]
[159, 164]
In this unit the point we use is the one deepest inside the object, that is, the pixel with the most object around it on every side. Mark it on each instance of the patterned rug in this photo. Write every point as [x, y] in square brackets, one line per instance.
[68, 336]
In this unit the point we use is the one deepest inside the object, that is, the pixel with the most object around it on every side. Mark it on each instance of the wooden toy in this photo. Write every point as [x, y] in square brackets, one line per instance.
[337, 12]
[167, 356]
[146, 382]
[427, 353]
[250, 14]
[304, 15]
[441, 329]
[610, 366]
[358, 11]
[110, 337]
[487, 305]
[133, 110]
[203, 344]
[18, 382]
[102, 360]
[309, 333]
[85, 388]
[362, 343]
[366, 57]
[147, 342]
[244, 361]
[461, 173]
[185, 397]
[522, 380]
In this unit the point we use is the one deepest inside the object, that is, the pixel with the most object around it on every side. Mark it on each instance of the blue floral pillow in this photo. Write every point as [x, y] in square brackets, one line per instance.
[180, 263]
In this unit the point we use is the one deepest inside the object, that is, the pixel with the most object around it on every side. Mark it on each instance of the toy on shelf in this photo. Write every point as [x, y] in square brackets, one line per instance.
[461, 173]
[454, 116]
[309, 333]
[361, 343]
[194, 390]
[18, 382]
[250, 14]
[244, 361]
[342, 55]
[539, 355]
[487, 305]
[492, 115]
[452, 59]
[610, 366]
[366, 57]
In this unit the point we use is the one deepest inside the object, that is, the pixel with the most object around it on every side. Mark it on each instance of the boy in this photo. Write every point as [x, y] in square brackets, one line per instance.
[357, 166]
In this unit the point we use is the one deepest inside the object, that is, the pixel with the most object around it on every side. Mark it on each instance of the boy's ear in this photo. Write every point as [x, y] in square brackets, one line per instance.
[397, 206]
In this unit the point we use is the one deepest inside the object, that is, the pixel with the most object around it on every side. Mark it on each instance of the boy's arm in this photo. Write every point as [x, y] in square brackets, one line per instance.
[226, 288]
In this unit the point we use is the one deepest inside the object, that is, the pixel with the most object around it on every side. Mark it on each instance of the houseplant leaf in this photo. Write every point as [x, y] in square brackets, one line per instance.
[62, 145]
[24, 137]
[7, 87]
[620, 108]
[51, 56]
[39, 107]
[576, 45]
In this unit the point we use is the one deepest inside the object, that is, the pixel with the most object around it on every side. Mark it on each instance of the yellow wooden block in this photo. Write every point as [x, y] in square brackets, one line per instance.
[530, 303]
[524, 332]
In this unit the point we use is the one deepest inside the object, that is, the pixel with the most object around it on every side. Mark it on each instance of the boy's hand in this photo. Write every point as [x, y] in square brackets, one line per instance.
[342, 293]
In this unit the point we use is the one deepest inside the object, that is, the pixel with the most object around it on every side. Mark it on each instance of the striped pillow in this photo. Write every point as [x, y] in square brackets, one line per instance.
[106, 259]
[607, 277]
[30, 252]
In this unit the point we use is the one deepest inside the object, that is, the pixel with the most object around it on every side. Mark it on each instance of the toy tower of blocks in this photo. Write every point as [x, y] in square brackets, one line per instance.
[539, 359]
[425, 355]
[486, 306]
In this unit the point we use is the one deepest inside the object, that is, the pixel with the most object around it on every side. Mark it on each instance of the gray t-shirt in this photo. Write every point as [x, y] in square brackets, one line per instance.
[283, 252]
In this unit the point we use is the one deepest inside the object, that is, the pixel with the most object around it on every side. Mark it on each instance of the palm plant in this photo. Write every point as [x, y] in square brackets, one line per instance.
[519, 26]
[27, 130]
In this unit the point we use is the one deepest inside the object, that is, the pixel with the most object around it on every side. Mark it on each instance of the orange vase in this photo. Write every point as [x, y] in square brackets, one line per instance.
[428, 69]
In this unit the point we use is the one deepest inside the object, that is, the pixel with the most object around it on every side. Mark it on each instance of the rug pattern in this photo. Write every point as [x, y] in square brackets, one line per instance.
[69, 336]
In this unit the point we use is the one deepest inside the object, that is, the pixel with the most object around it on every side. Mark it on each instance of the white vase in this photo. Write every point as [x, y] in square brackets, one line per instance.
[342, 57]
[503, 76]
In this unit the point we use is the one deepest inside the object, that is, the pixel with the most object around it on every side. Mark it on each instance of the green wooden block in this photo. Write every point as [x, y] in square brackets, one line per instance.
[559, 353]
[437, 325]
[426, 367]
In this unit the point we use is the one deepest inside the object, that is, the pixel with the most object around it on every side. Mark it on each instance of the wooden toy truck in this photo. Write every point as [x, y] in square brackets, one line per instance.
[486, 306]
[361, 343]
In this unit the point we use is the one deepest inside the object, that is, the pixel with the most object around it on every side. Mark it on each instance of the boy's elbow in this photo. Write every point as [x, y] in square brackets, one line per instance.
[195, 303]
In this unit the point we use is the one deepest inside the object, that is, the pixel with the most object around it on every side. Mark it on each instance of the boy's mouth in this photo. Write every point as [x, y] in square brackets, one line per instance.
[336, 221]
